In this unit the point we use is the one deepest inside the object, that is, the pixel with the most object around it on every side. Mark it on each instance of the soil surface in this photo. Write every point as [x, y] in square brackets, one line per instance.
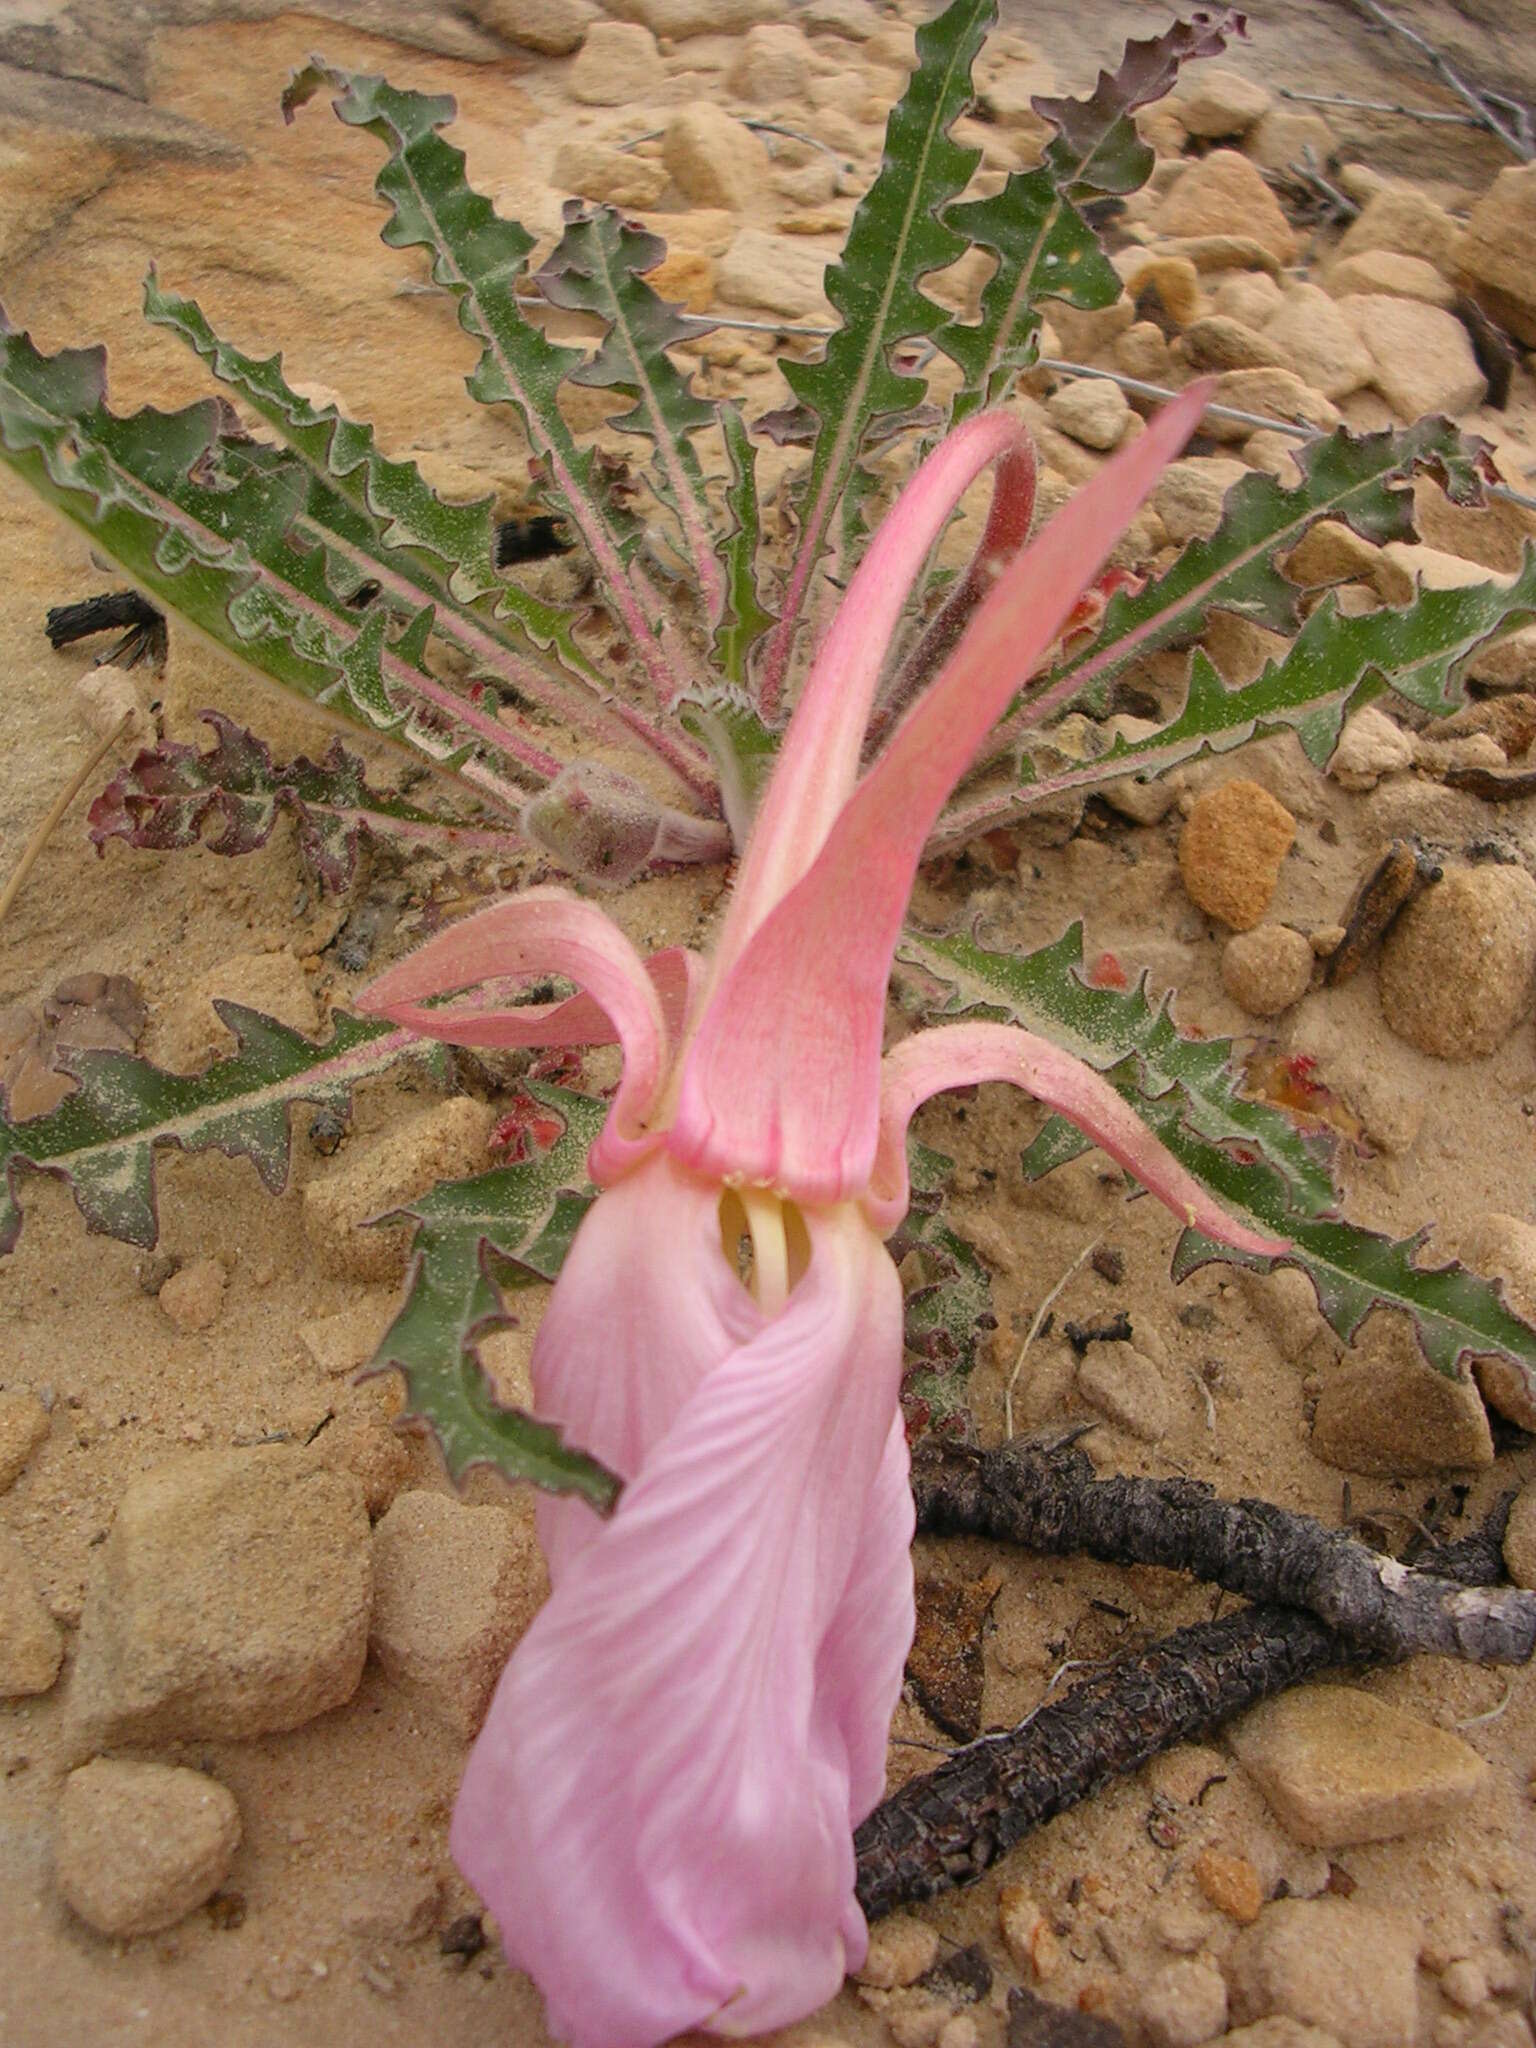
[151, 132]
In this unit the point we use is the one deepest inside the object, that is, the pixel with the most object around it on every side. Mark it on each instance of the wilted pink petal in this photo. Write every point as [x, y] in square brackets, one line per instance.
[779, 1083]
[543, 931]
[659, 1809]
[956, 1055]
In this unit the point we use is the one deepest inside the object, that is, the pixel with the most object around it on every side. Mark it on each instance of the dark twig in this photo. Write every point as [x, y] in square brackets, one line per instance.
[1049, 1500]
[1478, 102]
[106, 613]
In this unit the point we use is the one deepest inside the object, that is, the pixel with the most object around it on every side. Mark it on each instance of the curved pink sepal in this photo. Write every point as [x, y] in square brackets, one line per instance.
[544, 931]
[659, 1810]
[781, 1082]
[958, 1055]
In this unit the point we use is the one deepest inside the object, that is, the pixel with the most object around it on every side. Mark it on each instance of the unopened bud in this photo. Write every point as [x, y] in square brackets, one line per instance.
[596, 823]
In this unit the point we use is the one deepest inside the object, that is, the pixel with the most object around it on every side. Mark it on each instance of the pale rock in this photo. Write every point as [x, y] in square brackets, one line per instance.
[763, 270]
[1231, 1883]
[901, 1950]
[1220, 251]
[701, 230]
[680, 19]
[1214, 102]
[1339, 1766]
[1279, 2032]
[1385, 1411]
[1456, 754]
[189, 1031]
[1162, 131]
[1032, 1943]
[1520, 1538]
[1391, 274]
[108, 695]
[1251, 296]
[686, 277]
[552, 27]
[367, 1449]
[1092, 411]
[1284, 135]
[1371, 745]
[31, 1646]
[1274, 394]
[193, 1295]
[1145, 801]
[342, 1342]
[1496, 256]
[1127, 1389]
[141, 1845]
[1333, 1963]
[447, 1142]
[1319, 342]
[806, 185]
[618, 65]
[1173, 281]
[1218, 342]
[454, 1588]
[1423, 356]
[1285, 1302]
[715, 160]
[615, 176]
[1458, 964]
[1331, 552]
[853, 21]
[1403, 567]
[230, 1599]
[1268, 449]
[1221, 188]
[1190, 493]
[400, 1908]
[1184, 2004]
[772, 65]
[1503, 1248]
[1406, 221]
[23, 1426]
[1231, 848]
[1142, 351]
[1184, 1929]
[1267, 969]
[960, 2030]
[1084, 335]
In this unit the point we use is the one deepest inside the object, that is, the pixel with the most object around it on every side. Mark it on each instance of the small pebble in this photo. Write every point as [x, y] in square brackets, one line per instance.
[1184, 2004]
[901, 1950]
[1092, 411]
[1465, 1984]
[140, 1845]
[1267, 969]
[1028, 1936]
[1231, 1884]
[1234, 839]
[1458, 965]
[1125, 1386]
[193, 1295]
[31, 1645]
[23, 1426]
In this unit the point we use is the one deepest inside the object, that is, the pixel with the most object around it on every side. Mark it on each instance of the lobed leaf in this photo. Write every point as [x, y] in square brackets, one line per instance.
[102, 1139]
[474, 1240]
[947, 1295]
[746, 617]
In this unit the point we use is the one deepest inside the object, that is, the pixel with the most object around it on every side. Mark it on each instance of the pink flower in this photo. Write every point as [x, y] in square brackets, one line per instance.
[659, 1810]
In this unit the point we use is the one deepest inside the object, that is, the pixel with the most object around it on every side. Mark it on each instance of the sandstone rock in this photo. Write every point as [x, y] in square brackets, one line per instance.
[142, 1845]
[1143, 802]
[1496, 257]
[615, 176]
[229, 1599]
[23, 1426]
[1190, 494]
[443, 1143]
[1319, 342]
[1393, 275]
[1520, 1538]
[1028, 1936]
[31, 1646]
[685, 277]
[1405, 221]
[1218, 190]
[1285, 1302]
[1279, 2032]
[1230, 851]
[1331, 552]
[1273, 393]
[194, 1294]
[853, 21]
[1126, 1388]
[1267, 969]
[1166, 284]
[617, 65]
[454, 1588]
[1339, 1766]
[1423, 358]
[1215, 101]
[1184, 2004]
[772, 65]
[1503, 1248]
[1092, 411]
[1231, 1884]
[1332, 1963]
[762, 270]
[1457, 966]
[1220, 252]
[1371, 745]
[552, 27]
[1084, 336]
[901, 1950]
[682, 18]
[1284, 135]
[190, 1033]
[1218, 342]
[344, 1341]
[714, 159]
[367, 1449]
[1270, 450]
[399, 1907]
[1251, 296]
[1384, 1410]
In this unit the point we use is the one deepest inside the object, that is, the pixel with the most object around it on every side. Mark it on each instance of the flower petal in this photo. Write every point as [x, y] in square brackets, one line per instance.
[781, 1082]
[957, 1055]
[544, 931]
[818, 762]
[659, 1810]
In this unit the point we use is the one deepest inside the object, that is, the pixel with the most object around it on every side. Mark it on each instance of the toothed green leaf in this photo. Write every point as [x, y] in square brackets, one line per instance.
[947, 1295]
[1135, 1042]
[102, 1139]
[746, 617]
[742, 748]
[475, 1240]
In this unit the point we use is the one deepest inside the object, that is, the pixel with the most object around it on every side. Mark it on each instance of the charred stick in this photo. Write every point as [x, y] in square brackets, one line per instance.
[1049, 1500]
[946, 1827]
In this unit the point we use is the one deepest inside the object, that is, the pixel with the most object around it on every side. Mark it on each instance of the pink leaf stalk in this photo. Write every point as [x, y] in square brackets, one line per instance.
[659, 1810]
